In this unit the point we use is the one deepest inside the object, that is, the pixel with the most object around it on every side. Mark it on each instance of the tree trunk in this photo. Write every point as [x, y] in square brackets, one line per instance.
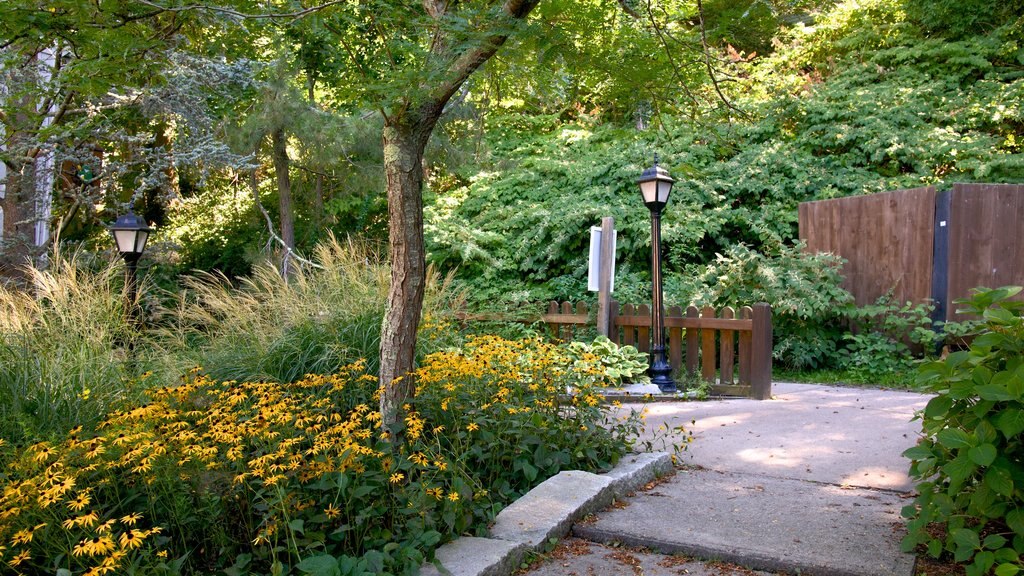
[404, 143]
[284, 192]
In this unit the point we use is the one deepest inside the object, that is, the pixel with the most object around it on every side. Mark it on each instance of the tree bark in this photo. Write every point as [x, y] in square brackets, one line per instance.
[407, 128]
[404, 144]
[284, 193]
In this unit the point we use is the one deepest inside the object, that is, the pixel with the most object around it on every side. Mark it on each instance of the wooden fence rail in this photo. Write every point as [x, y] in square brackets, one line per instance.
[733, 354]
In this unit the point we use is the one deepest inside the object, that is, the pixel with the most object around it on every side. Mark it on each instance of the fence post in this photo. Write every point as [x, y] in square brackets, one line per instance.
[604, 276]
[692, 343]
[761, 353]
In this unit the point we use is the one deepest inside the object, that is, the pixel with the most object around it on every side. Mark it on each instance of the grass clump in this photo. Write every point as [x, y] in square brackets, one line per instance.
[63, 349]
[278, 328]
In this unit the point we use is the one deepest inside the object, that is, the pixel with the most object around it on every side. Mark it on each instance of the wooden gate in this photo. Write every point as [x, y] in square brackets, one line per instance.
[733, 354]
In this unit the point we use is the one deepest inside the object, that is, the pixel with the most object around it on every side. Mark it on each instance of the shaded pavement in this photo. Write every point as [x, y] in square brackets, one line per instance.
[811, 482]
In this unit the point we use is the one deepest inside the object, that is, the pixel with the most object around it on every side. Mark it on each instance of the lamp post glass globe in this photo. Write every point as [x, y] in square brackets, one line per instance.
[130, 234]
[655, 187]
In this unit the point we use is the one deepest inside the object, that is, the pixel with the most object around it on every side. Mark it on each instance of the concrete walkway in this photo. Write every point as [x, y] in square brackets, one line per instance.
[809, 482]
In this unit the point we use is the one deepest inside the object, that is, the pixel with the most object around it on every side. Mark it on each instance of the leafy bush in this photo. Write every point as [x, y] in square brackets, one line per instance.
[880, 347]
[803, 290]
[968, 462]
[64, 360]
[302, 469]
[620, 364]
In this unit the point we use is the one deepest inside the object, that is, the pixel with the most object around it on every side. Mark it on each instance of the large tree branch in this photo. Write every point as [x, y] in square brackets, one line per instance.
[707, 62]
[465, 63]
[228, 11]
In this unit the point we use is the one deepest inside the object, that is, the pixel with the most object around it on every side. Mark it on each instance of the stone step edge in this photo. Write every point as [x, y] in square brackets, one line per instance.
[548, 511]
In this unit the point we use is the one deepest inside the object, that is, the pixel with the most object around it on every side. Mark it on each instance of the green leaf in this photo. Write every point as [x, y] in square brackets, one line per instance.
[959, 469]
[1015, 520]
[994, 542]
[999, 480]
[1007, 569]
[322, 565]
[982, 455]
[966, 538]
[953, 438]
[530, 471]
[1010, 422]
[938, 407]
[995, 393]
[297, 525]
[919, 452]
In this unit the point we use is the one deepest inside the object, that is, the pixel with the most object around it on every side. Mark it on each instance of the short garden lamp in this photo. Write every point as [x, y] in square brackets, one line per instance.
[130, 234]
[655, 187]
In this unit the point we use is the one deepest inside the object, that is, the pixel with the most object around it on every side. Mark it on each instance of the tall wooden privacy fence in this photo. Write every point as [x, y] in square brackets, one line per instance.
[922, 244]
[733, 353]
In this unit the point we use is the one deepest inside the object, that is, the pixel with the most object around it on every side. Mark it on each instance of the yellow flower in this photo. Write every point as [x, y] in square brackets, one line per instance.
[453, 496]
[43, 452]
[131, 539]
[396, 478]
[20, 557]
[93, 546]
[83, 520]
[161, 554]
[472, 427]
[131, 519]
[80, 502]
[332, 512]
[25, 536]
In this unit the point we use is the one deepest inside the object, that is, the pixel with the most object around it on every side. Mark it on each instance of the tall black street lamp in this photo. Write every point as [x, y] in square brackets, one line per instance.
[655, 186]
[130, 234]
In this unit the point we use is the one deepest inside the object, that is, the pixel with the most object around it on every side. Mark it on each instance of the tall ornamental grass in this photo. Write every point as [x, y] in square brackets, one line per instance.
[63, 349]
[281, 328]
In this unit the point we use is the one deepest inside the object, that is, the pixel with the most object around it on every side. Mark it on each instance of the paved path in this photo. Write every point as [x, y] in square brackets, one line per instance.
[810, 482]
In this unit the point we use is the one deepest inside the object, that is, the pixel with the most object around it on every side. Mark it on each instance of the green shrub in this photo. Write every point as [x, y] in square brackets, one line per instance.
[803, 289]
[969, 459]
[881, 345]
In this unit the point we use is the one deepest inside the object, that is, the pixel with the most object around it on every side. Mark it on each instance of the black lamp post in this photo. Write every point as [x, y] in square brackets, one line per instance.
[130, 234]
[655, 186]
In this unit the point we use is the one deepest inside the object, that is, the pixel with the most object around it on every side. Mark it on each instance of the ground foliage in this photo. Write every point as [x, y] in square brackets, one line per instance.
[968, 461]
[304, 471]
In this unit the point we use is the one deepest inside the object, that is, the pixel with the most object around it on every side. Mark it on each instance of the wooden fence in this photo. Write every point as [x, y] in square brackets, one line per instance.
[736, 350]
[922, 244]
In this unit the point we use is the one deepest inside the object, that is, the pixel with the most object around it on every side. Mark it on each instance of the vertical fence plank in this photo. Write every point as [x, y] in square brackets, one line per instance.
[726, 350]
[707, 347]
[675, 341]
[616, 329]
[581, 309]
[553, 328]
[566, 333]
[746, 313]
[692, 343]
[761, 353]
[643, 333]
[628, 338]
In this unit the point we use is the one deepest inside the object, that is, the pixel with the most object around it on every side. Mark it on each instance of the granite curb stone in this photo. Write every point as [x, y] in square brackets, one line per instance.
[548, 511]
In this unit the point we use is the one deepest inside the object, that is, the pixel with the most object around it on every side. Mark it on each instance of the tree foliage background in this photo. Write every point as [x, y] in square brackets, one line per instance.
[247, 135]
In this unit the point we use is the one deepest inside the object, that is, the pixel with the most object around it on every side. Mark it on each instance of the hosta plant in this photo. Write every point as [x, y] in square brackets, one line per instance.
[620, 364]
[970, 459]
